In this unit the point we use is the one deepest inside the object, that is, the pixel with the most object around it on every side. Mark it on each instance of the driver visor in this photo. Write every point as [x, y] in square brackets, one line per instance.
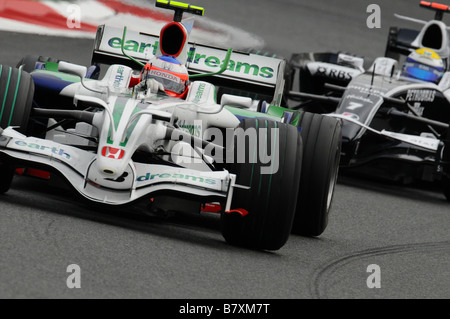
[423, 72]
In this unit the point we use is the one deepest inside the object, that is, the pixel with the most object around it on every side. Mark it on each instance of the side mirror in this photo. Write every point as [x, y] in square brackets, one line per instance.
[77, 70]
[236, 101]
[73, 69]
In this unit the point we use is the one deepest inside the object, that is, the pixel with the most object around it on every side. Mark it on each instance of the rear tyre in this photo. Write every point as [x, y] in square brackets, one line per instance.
[271, 199]
[16, 98]
[321, 136]
[29, 62]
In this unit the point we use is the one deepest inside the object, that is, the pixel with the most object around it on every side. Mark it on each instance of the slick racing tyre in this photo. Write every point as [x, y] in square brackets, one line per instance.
[321, 136]
[271, 199]
[16, 98]
[6, 177]
[29, 62]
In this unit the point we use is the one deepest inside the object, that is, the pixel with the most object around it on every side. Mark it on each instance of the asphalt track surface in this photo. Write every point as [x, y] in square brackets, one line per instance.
[404, 230]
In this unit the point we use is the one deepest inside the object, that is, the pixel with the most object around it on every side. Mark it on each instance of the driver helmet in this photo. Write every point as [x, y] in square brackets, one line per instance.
[424, 64]
[171, 73]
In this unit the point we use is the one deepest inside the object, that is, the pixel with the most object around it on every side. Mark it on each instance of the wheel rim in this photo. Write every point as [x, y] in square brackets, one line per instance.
[333, 179]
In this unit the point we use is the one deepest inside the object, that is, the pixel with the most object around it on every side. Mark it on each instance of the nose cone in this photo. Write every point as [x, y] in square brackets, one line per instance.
[109, 171]
[111, 168]
[350, 130]
[111, 162]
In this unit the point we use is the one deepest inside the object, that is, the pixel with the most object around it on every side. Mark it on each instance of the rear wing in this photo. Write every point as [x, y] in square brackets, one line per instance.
[250, 74]
[433, 34]
[439, 9]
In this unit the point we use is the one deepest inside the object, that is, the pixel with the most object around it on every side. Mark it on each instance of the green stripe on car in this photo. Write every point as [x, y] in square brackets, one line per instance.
[119, 108]
[6, 93]
[251, 114]
[63, 76]
[51, 66]
[15, 98]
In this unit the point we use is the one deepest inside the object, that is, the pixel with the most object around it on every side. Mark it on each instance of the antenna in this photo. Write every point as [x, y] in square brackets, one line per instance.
[392, 73]
[373, 75]
[123, 50]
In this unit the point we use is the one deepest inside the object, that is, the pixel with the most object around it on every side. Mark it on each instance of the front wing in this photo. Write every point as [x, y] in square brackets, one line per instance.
[78, 168]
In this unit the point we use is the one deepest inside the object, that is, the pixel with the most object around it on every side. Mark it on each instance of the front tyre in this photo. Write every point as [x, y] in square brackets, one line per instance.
[271, 199]
[321, 136]
[16, 98]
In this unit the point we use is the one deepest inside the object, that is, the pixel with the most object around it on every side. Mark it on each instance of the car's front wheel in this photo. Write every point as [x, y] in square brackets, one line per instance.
[321, 136]
[16, 98]
[272, 195]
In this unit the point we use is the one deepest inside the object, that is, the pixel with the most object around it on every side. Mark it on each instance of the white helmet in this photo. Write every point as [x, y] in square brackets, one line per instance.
[424, 64]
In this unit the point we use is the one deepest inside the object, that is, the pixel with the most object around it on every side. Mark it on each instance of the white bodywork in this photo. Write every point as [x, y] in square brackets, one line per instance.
[111, 176]
[127, 121]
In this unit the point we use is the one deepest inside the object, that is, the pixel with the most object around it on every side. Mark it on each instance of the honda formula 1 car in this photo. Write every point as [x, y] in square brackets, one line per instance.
[267, 170]
[395, 126]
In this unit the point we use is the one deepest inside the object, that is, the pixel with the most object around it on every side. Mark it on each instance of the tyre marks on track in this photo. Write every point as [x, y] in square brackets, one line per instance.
[320, 283]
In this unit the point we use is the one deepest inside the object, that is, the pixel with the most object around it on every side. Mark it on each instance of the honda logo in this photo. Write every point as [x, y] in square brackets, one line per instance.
[111, 152]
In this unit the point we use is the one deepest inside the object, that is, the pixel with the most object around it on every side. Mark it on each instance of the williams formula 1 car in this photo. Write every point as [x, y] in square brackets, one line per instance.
[395, 127]
[267, 170]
